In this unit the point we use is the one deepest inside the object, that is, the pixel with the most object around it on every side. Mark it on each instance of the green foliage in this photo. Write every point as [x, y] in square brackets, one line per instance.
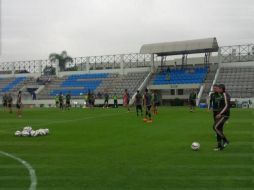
[62, 59]
[49, 70]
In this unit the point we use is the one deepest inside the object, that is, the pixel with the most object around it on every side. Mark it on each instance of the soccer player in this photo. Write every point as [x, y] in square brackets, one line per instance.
[61, 101]
[156, 102]
[148, 105]
[115, 101]
[92, 99]
[106, 98]
[192, 100]
[221, 115]
[19, 105]
[9, 102]
[5, 99]
[89, 97]
[57, 100]
[126, 99]
[68, 100]
[138, 103]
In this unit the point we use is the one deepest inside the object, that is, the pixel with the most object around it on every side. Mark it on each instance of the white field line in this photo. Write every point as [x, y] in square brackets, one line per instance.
[72, 120]
[32, 174]
[75, 120]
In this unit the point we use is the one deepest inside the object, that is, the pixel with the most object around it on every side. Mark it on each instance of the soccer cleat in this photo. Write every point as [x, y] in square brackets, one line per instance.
[145, 120]
[149, 121]
[218, 148]
[226, 143]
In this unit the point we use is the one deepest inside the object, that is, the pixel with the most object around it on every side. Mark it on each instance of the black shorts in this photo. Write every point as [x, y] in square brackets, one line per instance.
[9, 105]
[18, 106]
[192, 103]
[68, 102]
[5, 104]
[156, 104]
[148, 108]
[106, 101]
[138, 107]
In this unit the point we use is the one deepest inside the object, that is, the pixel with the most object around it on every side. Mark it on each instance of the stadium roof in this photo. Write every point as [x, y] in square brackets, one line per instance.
[181, 47]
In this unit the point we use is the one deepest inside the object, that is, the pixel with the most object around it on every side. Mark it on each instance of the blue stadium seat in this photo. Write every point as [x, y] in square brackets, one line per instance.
[13, 84]
[181, 76]
[84, 83]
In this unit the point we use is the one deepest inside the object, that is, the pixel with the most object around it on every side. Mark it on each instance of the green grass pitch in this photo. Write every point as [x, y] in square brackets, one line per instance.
[110, 149]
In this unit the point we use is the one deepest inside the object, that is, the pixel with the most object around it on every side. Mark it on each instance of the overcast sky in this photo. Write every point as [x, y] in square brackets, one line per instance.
[32, 29]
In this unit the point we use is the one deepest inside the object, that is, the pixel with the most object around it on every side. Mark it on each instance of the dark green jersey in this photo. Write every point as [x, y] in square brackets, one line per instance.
[9, 99]
[106, 96]
[224, 105]
[5, 99]
[61, 98]
[138, 99]
[192, 96]
[156, 98]
[68, 97]
[148, 99]
[215, 99]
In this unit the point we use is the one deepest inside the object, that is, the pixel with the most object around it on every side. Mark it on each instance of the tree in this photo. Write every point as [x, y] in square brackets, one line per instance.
[49, 70]
[62, 58]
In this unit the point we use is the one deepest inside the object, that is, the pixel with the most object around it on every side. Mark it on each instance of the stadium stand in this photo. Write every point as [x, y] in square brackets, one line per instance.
[181, 76]
[239, 81]
[116, 84]
[80, 84]
[209, 81]
[8, 85]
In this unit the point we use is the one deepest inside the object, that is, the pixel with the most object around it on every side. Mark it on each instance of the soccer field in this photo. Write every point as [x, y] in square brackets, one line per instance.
[110, 149]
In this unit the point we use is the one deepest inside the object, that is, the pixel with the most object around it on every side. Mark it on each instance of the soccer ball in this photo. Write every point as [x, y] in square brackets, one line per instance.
[32, 133]
[195, 146]
[47, 131]
[28, 129]
[25, 133]
[18, 133]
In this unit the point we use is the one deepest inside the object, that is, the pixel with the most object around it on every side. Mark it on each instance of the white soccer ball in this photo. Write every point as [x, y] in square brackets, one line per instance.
[36, 133]
[18, 133]
[32, 133]
[28, 129]
[195, 146]
[42, 132]
[25, 133]
[47, 131]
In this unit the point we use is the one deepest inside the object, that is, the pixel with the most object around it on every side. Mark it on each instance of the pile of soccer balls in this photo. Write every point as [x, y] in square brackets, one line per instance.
[29, 132]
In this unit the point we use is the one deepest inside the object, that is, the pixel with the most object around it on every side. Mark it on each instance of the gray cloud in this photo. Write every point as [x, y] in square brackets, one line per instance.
[32, 29]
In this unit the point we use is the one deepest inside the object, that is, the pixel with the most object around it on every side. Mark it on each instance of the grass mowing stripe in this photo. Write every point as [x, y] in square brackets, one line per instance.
[30, 169]
[120, 152]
